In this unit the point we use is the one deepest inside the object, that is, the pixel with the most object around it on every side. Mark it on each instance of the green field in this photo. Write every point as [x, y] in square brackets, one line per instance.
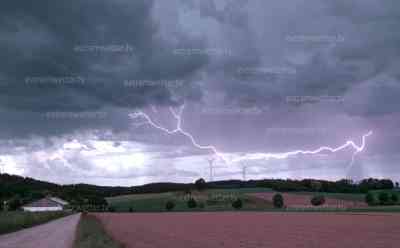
[125, 198]
[394, 191]
[14, 221]
[241, 190]
[209, 200]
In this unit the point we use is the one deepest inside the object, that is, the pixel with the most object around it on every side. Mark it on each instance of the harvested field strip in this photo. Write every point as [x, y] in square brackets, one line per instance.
[339, 196]
[303, 200]
[91, 234]
[253, 230]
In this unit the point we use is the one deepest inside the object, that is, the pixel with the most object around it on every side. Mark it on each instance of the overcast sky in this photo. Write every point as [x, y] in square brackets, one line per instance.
[255, 77]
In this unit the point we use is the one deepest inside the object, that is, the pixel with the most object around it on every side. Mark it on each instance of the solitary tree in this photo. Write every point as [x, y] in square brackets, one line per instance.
[318, 200]
[169, 205]
[278, 201]
[237, 204]
[200, 184]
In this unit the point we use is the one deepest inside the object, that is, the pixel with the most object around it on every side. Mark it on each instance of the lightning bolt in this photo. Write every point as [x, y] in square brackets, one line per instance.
[229, 158]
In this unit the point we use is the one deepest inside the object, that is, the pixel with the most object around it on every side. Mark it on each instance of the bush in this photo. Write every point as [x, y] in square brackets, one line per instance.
[394, 198]
[370, 199]
[191, 203]
[169, 205]
[278, 201]
[111, 209]
[383, 198]
[237, 204]
[200, 184]
[201, 205]
[318, 200]
[131, 209]
[14, 204]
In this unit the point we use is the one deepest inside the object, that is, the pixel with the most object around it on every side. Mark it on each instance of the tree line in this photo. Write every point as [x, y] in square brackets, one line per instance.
[17, 190]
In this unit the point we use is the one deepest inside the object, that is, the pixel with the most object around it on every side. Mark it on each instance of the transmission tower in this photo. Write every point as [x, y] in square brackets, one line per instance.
[244, 171]
[211, 167]
[2, 170]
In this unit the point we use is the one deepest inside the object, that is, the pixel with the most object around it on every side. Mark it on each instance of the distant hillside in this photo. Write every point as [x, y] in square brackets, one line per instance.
[27, 189]
[23, 189]
[11, 185]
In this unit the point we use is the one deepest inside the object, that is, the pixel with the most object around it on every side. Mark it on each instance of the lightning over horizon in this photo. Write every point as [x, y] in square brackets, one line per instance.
[229, 158]
[129, 93]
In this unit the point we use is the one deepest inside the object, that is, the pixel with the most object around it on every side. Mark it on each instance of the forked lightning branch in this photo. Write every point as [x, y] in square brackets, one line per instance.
[233, 158]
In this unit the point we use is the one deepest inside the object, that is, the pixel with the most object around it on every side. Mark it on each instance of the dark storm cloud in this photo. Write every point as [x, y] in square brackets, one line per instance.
[233, 13]
[47, 65]
[374, 43]
[271, 50]
[41, 40]
[351, 44]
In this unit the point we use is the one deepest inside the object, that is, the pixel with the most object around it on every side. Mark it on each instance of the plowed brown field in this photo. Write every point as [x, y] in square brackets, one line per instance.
[254, 230]
[297, 200]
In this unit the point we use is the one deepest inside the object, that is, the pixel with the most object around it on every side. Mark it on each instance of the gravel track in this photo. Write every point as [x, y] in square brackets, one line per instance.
[58, 233]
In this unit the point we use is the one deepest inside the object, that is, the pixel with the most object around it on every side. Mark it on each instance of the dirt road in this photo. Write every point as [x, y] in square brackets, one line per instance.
[58, 233]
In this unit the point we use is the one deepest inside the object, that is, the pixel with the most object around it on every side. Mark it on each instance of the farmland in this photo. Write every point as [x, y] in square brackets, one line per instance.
[253, 229]
[209, 200]
[254, 199]
[340, 196]
[303, 200]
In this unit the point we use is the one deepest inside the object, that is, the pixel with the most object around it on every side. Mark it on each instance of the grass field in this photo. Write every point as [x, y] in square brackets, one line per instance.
[90, 234]
[14, 221]
[123, 198]
[241, 190]
[211, 200]
[394, 191]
